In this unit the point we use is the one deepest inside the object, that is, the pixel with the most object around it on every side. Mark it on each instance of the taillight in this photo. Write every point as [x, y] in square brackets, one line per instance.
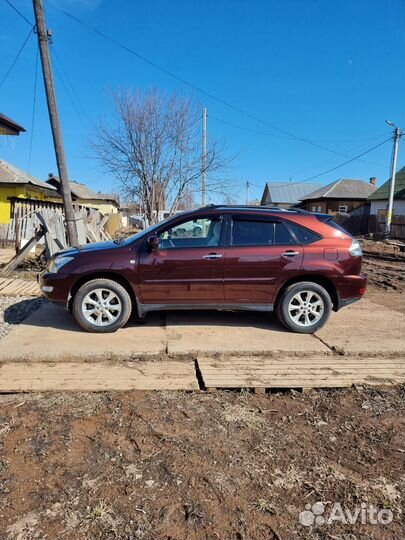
[355, 248]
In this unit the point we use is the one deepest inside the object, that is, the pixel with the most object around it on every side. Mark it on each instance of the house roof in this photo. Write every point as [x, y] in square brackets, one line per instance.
[383, 192]
[344, 188]
[8, 126]
[288, 192]
[81, 191]
[9, 174]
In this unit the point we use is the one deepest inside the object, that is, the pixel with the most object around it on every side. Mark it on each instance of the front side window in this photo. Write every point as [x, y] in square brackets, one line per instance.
[201, 232]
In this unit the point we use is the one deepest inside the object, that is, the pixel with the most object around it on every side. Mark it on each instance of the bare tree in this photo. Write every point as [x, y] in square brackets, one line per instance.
[153, 148]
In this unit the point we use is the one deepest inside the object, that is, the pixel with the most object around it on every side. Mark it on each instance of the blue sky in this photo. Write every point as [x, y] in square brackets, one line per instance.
[325, 70]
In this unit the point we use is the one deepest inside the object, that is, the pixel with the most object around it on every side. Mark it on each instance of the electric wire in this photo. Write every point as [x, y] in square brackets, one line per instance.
[62, 80]
[193, 86]
[69, 81]
[19, 12]
[10, 69]
[342, 164]
[244, 128]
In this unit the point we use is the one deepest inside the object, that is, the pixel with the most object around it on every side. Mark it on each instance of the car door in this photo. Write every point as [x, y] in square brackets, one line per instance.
[260, 253]
[188, 266]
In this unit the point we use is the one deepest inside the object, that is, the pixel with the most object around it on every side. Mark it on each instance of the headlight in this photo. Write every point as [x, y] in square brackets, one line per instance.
[56, 264]
[355, 248]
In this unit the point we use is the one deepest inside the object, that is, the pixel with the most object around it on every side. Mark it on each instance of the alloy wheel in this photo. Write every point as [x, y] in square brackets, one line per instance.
[306, 308]
[101, 307]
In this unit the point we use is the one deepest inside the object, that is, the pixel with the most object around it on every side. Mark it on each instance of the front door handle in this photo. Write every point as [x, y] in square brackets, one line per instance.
[213, 256]
[290, 253]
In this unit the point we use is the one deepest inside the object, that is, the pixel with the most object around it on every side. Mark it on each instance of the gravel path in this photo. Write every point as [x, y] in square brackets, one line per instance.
[14, 309]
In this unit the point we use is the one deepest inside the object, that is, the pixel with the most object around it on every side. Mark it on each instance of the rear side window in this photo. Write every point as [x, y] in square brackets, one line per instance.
[303, 235]
[252, 233]
[283, 236]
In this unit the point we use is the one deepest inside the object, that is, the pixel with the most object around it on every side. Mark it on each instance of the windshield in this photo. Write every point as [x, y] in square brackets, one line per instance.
[146, 232]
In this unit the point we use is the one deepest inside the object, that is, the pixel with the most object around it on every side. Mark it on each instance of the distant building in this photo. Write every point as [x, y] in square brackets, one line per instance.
[106, 203]
[8, 126]
[285, 194]
[379, 199]
[339, 197]
[17, 184]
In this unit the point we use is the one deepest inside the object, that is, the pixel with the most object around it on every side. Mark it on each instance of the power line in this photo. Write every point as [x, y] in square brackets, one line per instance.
[62, 80]
[10, 69]
[329, 170]
[342, 164]
[59, 61]
[292, 139]
[19, 12]
[33, 111]
[244, 128]
[193, 86]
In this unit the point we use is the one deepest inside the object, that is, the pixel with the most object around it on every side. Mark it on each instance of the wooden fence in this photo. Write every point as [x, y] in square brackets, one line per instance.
[361, 225]
[28, 215]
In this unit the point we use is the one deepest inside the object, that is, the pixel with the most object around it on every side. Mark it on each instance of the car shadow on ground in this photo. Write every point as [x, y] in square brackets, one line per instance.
[53, 316]
[210, 318]
[16, 313]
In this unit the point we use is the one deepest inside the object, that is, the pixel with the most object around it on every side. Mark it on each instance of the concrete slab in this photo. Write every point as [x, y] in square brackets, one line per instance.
[367, 328]
[234, 333]
[90, 377]
[50, 333]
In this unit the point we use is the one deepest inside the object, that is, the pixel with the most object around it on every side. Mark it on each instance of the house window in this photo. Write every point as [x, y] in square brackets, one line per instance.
[316, 208]
[342, 209]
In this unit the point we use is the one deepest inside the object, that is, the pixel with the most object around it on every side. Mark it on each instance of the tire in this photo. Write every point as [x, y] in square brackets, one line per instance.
[304, 307]
[112, 299]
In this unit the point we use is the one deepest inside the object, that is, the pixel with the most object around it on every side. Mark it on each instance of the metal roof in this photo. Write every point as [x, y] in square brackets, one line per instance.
[8, 126]
[289, 192]
[9, 174]
[344, 188]
[81, 191]
[399, 191]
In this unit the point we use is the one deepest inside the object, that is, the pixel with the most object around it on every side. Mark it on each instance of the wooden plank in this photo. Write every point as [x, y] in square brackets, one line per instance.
[4, 282]
[15, 261]
[43, 377]
[14, 287]
[312, 372]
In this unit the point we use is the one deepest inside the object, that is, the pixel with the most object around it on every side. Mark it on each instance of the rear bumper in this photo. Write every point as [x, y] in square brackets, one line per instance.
[350, 289]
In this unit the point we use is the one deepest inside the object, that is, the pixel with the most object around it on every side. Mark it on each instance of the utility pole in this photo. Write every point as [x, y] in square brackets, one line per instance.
[204, 157]
[43, 37]
[247, 193]
[397, 136]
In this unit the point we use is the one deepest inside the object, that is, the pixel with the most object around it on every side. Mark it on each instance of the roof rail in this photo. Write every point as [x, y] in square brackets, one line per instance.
[254, 207]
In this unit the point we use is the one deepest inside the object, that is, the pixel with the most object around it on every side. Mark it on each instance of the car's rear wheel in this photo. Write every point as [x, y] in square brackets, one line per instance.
[102, 305]
[304, 307]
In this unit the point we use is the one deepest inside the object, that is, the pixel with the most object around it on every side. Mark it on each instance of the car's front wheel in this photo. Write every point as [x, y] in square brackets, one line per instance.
[304, 307]
[101, 305]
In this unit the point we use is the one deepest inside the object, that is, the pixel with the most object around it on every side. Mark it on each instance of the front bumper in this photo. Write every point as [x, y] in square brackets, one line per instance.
[55, 287]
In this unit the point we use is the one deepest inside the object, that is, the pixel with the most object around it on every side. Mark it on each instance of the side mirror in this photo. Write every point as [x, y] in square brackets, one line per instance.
[153, 243]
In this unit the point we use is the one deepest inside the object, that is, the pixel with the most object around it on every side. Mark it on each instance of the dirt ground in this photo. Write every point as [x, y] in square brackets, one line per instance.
[171, 465]
[384, 265]
[198, 466]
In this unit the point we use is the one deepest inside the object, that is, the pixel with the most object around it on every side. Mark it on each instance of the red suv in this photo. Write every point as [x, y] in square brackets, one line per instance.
[298, 264]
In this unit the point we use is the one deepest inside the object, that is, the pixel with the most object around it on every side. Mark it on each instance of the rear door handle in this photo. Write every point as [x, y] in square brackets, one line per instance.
[213, 256]
[290, 253]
